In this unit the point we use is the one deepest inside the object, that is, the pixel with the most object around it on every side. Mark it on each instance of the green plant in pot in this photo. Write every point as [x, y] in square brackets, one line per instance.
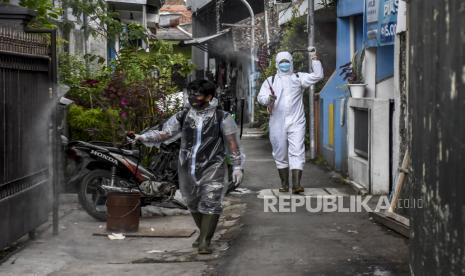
[352, 73]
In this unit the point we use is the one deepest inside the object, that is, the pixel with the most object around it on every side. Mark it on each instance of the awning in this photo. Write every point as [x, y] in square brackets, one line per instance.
[200, 41]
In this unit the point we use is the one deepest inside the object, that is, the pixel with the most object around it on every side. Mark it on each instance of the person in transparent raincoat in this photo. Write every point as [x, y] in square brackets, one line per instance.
[206, 134]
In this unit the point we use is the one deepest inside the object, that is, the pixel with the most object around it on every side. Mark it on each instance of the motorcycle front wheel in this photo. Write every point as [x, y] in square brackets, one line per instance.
[91, 195]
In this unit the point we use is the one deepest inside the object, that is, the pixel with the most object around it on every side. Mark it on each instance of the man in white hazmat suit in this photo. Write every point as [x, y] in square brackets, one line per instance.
[287, 119]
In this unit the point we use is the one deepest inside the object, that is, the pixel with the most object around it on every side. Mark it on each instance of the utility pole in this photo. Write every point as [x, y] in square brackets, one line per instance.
[252, 59]
[311, 42]
[267, 29]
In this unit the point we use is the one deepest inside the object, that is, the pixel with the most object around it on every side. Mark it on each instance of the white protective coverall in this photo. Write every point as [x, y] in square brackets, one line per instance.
[287, 122]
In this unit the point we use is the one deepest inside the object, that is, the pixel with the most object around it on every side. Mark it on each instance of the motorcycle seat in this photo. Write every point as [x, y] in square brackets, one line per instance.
[133, 153]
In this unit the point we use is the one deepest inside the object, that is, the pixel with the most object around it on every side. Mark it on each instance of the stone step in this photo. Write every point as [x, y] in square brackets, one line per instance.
[253, 133]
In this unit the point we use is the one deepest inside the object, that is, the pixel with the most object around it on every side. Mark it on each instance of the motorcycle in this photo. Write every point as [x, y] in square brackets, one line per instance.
[98, 168]
[101, 168]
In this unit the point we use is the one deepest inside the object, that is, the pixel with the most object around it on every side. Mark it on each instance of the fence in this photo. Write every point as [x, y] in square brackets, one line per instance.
[25, 81]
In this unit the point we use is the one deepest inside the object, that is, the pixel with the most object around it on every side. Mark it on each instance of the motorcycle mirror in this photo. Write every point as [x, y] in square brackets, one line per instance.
[64, 140]
[65, 101]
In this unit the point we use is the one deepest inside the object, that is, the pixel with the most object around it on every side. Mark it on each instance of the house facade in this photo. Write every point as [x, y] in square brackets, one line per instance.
[361, 137]
[143, 12]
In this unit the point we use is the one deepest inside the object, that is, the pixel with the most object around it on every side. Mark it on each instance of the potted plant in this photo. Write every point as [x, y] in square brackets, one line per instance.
[352, 73]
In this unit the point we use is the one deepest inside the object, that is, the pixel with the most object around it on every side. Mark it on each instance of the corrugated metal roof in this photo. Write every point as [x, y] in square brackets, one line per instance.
[201, 40]
[173, 33]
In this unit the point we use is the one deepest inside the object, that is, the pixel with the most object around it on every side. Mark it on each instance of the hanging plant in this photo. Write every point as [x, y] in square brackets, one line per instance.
[352, 71]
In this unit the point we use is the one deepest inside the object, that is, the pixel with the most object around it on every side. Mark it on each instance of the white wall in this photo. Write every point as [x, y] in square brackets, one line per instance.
[385, 89]
[371, 173]
[95, 45]
[369, 71]
[287, 13]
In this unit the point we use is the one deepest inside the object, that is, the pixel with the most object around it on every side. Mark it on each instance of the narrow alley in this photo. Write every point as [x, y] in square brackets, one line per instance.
[260, 243]
[232, 137]
[305, 243]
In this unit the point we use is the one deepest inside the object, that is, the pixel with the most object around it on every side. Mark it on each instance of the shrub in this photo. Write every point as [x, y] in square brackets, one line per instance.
[94, 124]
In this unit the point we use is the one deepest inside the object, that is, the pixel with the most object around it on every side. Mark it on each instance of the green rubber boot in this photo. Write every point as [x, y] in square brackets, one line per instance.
[296, 177]
[198, 221]
[284, 176]
[207, 230]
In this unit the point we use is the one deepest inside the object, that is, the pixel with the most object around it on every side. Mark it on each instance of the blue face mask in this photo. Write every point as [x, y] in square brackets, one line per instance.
[285, 67]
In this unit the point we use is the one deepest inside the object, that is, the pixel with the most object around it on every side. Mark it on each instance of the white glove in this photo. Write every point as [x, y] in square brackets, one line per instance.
[137, 137]
[313, 54]
[237, 176]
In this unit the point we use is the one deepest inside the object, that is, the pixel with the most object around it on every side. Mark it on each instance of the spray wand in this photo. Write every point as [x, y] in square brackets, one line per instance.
[261, 64]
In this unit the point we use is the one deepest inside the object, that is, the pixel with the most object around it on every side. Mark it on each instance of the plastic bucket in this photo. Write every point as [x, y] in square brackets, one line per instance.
[123, 212]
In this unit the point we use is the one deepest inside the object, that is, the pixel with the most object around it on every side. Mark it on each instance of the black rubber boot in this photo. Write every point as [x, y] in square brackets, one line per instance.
[296, 177]
[198, 221]
[207, 231]
[284, 176]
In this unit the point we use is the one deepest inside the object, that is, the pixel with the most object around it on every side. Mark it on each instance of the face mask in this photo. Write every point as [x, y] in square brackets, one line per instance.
[196, 103]
[285, 67]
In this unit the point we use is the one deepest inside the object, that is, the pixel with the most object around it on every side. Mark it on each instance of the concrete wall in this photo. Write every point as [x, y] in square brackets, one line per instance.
[378, 172]
[436, 102]
[373, 172]
[77, 41]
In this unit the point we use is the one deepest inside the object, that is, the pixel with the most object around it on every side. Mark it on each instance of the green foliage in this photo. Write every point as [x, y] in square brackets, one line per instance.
[133, 35]
[142, 84]
[328, 3]
[293, 38]
[94, 17]
[93, 124]
[85, 87]
[135, 90]
[47, 13]
[97, 20]
[72, 70]
[352, 72]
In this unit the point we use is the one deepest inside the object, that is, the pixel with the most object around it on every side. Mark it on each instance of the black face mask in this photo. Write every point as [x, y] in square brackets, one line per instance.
[197, 104]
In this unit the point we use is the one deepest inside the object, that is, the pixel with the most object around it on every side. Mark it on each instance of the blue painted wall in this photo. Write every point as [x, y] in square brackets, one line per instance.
[384, 62]
[334, 91]
[350, 7]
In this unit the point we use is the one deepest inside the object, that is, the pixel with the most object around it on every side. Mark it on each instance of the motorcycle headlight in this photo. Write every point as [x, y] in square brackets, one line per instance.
[73, 154]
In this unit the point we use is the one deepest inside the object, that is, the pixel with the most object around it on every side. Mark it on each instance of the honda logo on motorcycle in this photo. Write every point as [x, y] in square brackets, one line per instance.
[106, 157]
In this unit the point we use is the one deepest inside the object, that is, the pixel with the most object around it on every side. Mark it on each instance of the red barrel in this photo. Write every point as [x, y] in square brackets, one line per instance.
[123, 212]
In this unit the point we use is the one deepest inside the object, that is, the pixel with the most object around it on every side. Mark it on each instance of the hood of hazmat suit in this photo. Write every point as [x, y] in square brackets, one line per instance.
[284, 56]
[205, 136]
[287, 122]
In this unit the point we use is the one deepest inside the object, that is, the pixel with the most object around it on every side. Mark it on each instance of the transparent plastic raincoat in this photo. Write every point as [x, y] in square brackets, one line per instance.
[206, 136]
